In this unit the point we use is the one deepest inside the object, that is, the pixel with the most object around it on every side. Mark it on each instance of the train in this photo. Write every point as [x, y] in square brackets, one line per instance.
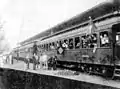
[88, 42]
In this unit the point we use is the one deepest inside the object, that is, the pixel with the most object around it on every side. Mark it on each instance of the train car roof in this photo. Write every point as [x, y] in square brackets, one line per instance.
[100, 10]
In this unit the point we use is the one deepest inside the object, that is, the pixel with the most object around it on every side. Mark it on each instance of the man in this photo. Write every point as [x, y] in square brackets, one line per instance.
[27, 58]
[11, 58]
[45, 60]
[35, 50]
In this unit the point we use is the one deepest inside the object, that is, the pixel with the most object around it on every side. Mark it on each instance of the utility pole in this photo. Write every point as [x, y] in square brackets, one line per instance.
[21, 28]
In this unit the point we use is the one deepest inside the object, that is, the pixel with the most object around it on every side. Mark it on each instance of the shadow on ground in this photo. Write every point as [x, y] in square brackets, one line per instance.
[13, 79]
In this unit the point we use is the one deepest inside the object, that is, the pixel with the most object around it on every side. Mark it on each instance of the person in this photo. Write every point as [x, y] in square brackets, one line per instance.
[57, 44]
[104, 40]
[71, 44]
[78, 45]
[37, 60]
[17, 56]
[88, 41]
[54, 62]
[11, 58]
[40, 60]
[52, 46]
[84, 41]
[65, 45]
[35, 50]
[50, 63]
[27, 58]
[94, 41]
[44, 60]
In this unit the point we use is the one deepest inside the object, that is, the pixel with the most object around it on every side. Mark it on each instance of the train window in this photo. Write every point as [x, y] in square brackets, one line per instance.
[52, 45]
[47, 47]
[118, 37]
[44, 46]
[77, 42]
[71, 43]
[104, 39]
[89, 41]
[60, 43]
[65, 44]
[93, 41]
[84, 42]
[57, 44]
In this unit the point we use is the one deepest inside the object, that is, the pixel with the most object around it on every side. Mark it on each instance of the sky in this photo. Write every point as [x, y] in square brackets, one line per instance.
[25, 18]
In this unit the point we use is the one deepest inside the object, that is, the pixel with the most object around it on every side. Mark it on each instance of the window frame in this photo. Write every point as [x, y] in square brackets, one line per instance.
[108, 33]
[77, 42]
[73, 47]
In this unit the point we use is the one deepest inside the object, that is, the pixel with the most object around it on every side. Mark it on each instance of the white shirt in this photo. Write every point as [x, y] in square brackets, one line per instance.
[44, 58]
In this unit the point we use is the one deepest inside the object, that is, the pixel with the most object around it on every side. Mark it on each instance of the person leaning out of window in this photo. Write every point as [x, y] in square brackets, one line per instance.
[104, 40]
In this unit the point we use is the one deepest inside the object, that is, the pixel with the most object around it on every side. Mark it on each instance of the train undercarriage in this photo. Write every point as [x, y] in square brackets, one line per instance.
[107, 71]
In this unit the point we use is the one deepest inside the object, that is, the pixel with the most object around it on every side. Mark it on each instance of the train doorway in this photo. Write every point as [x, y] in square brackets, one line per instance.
[116, 42]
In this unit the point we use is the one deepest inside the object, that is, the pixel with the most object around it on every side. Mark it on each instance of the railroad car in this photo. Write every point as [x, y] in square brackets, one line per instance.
[89, 42]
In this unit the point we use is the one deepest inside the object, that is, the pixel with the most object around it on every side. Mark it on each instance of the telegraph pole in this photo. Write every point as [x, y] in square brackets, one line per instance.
[21, 28]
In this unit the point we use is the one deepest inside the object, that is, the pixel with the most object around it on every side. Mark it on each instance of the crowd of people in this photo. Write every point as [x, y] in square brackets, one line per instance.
[89, 41]
[40, 61]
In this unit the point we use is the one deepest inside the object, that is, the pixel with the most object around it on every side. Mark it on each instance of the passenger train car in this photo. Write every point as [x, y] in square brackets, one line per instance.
[89, 42]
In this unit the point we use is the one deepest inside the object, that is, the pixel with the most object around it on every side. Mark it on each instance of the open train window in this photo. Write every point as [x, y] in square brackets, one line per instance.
[84, 41]
[65, 44]
[60, 43]
[118, 36]
[47, 47]
[71, 46]
[77, 42]
[52, 45]
[44, 46]
[89, 41]
[57, 44]
[118, 39]
[104, 39]
[93, 41]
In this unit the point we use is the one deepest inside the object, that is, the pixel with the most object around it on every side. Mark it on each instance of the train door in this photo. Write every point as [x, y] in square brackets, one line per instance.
[116, 42]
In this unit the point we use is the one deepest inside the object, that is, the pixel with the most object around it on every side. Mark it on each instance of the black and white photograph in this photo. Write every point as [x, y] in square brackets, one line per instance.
[59, 44]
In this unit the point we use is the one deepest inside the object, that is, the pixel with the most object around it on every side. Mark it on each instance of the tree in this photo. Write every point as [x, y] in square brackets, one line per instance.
[4, 45]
